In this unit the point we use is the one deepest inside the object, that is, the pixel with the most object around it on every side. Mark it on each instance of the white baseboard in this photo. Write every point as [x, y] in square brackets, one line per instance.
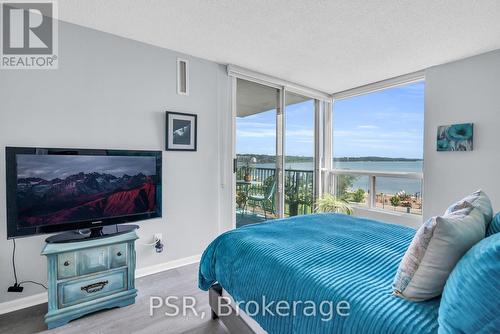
[40, 298]
[24, 302]
[157, 268]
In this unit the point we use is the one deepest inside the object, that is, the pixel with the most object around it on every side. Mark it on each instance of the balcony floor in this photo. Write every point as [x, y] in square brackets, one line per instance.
[248, 216]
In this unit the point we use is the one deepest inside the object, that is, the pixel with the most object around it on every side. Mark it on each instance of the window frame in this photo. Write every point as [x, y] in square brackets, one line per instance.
[324, 102]
[330, 172]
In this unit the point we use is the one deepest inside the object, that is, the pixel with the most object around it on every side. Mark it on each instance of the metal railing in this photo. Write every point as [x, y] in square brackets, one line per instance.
[298, 187]
[377, 200]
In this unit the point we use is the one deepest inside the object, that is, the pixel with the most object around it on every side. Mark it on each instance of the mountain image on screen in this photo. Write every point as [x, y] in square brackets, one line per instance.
[83, 196]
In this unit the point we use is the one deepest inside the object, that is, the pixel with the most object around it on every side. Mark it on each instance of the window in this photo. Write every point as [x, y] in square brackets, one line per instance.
[378, 148]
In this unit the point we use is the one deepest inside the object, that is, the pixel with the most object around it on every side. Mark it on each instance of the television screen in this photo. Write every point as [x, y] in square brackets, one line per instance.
[69, 189]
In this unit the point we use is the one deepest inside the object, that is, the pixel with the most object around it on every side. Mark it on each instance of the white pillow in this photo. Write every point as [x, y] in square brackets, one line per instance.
[477, 199]
[435, 249]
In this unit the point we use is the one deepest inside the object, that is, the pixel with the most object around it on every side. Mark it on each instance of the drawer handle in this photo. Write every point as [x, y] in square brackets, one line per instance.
[94, 287]
[66, 263]
[119, 254]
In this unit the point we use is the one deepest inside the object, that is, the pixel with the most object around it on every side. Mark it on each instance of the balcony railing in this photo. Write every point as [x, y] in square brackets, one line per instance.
[359, 187]
[367, 194]
[298, 187]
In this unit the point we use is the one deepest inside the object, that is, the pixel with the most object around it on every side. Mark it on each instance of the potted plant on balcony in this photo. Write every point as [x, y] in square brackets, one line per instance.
[292, 197]
[247, 173]
[248, 168]
[330, 203]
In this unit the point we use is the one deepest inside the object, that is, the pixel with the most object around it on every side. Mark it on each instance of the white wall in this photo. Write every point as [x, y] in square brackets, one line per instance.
[460, 92]
[110, 92]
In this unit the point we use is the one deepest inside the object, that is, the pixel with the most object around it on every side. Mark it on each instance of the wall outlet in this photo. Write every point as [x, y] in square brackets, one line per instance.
[158, 236]
[159, 242]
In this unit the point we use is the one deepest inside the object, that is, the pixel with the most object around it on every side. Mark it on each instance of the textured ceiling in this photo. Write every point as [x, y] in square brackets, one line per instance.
[330, 45]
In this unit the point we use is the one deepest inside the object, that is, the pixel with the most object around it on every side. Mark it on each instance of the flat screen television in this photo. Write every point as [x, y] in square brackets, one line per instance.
[53, 189]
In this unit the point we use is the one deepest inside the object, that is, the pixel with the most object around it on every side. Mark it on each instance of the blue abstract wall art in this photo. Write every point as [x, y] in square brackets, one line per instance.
[456, 137]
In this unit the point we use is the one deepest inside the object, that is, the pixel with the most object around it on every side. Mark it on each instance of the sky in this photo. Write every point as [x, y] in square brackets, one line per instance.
[49, 167]
[256, 134]
[386, 123]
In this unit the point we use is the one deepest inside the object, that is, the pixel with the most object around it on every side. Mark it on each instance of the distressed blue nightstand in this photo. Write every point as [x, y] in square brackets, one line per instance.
[87, 276]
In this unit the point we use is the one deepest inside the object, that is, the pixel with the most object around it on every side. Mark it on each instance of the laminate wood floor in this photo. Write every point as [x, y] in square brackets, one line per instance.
[134, 318]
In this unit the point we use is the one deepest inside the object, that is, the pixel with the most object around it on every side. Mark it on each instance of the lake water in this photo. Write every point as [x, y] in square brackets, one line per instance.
[383, 184]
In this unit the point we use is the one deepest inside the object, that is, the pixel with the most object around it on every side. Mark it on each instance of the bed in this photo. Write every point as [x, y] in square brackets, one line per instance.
[320, 257]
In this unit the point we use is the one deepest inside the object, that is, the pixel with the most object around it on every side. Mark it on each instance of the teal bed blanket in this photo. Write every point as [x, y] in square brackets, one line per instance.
[327, 258]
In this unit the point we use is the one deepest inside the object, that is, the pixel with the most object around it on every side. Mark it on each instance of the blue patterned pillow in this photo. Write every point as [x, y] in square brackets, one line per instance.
[494, 226]
[471, 296]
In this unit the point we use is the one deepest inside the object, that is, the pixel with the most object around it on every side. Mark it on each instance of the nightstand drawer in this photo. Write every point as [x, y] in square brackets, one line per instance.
[66, 265]
[93, 260]
[78, 291]
[118, 255]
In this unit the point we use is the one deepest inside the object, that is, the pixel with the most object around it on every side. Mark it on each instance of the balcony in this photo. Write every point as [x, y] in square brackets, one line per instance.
[255, 195]
[398, 192]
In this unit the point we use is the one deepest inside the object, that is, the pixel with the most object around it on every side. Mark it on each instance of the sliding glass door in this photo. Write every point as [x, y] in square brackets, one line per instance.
[255, 147]
[276, 145]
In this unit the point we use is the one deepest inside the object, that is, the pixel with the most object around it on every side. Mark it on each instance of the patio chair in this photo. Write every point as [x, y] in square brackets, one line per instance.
[266, 200]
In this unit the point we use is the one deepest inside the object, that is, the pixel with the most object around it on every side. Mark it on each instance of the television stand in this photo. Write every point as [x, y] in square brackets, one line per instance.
[90, 234]
[90, 275]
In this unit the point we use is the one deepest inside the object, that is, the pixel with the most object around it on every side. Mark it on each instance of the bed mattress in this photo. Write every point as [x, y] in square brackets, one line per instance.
[322, 258]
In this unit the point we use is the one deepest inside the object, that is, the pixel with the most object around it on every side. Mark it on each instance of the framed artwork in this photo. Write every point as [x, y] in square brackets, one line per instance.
[456, 137]
[181, 132]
